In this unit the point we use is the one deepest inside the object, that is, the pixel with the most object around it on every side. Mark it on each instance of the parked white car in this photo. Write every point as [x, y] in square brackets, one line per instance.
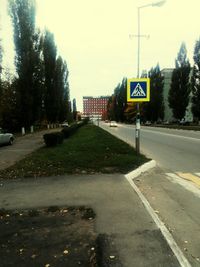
[6, 138]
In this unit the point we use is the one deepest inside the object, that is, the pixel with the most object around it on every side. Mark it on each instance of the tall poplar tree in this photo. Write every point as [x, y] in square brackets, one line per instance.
[195, 82]
[27, 59]
[50, 57]
[154, 110]
[1, 91]
[62, 89]
[180, 89]
[74, 109]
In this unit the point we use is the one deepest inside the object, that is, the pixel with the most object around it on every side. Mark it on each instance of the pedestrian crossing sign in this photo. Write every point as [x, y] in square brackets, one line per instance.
[138, 90]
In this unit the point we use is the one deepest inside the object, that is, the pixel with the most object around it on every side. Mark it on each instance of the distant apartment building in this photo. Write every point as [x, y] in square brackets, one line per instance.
[168, 115]
[94, 107]
[167, 75]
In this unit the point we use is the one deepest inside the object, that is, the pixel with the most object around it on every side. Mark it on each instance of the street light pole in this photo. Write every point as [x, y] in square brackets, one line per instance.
[137, 123]
[137, 132]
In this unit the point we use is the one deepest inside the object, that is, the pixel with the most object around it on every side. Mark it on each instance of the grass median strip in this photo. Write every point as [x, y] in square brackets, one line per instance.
[90, 150]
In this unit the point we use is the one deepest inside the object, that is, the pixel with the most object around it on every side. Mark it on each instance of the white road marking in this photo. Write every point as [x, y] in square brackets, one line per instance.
[167, 235]
[186, 184]
[167, 134]
[172, 135]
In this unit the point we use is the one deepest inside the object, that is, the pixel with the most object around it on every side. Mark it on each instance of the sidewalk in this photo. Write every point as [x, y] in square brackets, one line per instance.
[120, 213]
[21, 147]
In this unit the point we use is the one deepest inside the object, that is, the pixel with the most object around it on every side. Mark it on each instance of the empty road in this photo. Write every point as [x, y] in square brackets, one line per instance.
[173, 150]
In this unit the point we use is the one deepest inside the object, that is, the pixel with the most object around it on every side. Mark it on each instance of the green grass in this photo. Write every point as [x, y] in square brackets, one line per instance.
[89, 150]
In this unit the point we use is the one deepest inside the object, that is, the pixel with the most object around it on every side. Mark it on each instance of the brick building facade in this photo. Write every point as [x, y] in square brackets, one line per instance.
[94, 107]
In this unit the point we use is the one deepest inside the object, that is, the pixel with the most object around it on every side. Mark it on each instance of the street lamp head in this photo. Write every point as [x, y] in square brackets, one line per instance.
[158, 4]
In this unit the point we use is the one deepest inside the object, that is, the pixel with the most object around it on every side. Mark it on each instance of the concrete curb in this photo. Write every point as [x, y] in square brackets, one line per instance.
[144, 168]
[165, 232]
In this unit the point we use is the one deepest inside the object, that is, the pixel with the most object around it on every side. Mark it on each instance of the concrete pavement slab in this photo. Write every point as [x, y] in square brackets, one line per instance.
[120, 213]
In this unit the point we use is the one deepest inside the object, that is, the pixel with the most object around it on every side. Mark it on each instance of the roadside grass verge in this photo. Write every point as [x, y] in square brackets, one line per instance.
[90, 150]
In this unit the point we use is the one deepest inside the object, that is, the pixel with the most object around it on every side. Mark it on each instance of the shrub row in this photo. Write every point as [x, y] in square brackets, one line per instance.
[53, 139]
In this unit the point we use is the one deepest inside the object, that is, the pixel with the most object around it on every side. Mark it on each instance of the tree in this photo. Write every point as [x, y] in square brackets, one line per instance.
[62, 90]
[180, 89]
[117, 103]
[9, 111]
[38, 78]
[154, 110]
[121, 99]
[1, 56]
[74, 109]
[195, 82]
[27, 60]
[50, 59]
[111, 107]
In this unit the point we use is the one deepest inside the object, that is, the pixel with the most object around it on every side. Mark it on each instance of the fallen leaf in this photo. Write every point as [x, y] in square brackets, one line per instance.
[33, 256]
[112, 257]
[65, 211]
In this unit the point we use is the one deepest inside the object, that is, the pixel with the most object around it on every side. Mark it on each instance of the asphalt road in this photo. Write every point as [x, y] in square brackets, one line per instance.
[173, 150]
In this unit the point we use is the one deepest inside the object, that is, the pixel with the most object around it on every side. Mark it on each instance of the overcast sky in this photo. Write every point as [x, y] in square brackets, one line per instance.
[94, 38]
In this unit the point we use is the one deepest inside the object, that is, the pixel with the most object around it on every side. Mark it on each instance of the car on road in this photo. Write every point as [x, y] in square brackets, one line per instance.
[184, 122]
[6, 138]
[147, 123]
[113, 124]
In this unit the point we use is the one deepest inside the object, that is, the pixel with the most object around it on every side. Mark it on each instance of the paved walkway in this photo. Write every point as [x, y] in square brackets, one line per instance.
[120, 213]
[21, 147]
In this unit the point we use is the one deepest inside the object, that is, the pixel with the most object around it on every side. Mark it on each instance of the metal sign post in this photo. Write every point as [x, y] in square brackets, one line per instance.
[138, 90]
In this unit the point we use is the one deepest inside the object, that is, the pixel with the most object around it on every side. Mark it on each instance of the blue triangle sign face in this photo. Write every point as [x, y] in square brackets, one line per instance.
[138, 91]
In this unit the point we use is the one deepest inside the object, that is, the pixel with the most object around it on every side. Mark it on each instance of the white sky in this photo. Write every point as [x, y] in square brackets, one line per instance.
[93, 37]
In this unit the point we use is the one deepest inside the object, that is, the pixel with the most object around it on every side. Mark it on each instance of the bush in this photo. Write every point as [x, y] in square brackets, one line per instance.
[68, 131]
[53, 139]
